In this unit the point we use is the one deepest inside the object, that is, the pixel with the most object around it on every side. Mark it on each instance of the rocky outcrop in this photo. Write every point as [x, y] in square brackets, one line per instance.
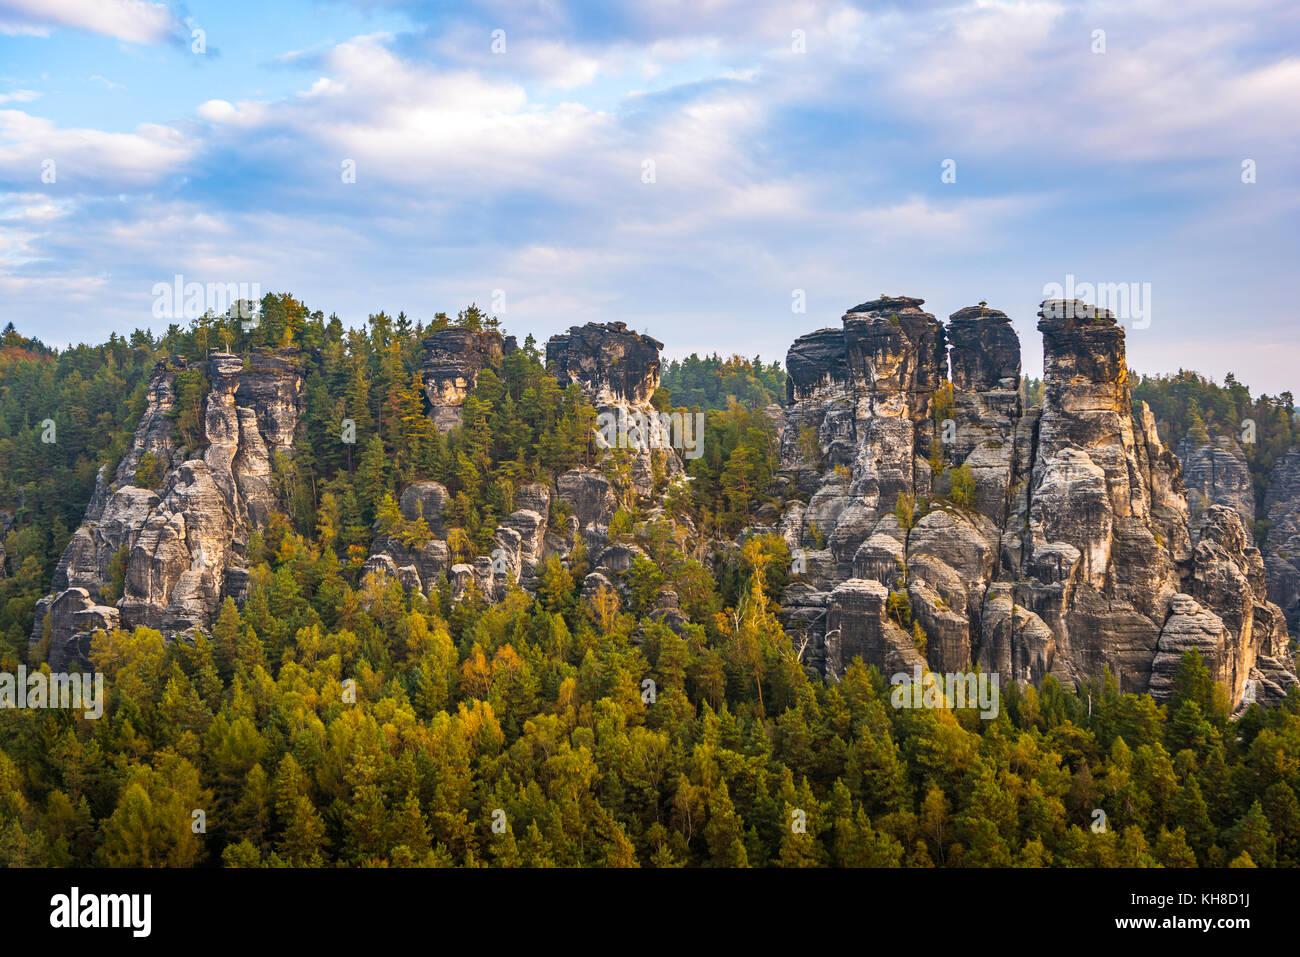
[184, 543]
[416, 565]
[1226, 616]
[915, 491]
[590, 499]
[857, 430]
[69, 620]
[980, 434]
[618, 372]
[519, 545]
[118, 508]
[425, 500]
[1217, 474]
[1190, 626]
[1228, 577]
[1046, 541]
[858, 434]
[857, 626]
[611, 362]
[1095, 563]
[1282, 546]
[453, 359]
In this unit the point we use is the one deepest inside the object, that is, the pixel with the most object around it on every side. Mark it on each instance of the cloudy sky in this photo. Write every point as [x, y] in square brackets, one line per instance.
[686, 166]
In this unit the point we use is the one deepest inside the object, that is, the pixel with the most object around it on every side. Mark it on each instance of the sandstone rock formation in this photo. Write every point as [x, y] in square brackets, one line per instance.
[1055, 540]
[453, 358]
[618, 372]
[1217, 474]
[1069, 548]
[415, 567]
[857, 626]
[1282, 547]
[1227, 617]
[186, 541]
[612, 363]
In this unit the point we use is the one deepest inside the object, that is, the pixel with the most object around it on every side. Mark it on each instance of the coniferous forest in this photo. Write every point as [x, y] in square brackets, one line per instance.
[556, 727]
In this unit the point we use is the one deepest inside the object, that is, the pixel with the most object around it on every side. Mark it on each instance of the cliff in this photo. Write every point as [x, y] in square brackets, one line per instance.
[1217, 474]
[186, 541]
[1057, 540]
[618, 371]
[1282, 547]
[612, 363]
[453, 358]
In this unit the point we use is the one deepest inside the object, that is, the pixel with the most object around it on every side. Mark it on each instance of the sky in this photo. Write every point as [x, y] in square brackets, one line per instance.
[699, 169]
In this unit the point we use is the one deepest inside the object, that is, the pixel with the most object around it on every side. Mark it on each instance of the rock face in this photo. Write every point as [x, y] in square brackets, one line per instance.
[453, 358]
[618, 371]
[857, 626]
[985, 357]
[1217, 474]
[1055, 541]
[1098, 547]
[185, 543]
[1227, 617]
[591, 501]
[1282, 547]
[416, 567]
[518, 546]
[611, 362]
[857, 434]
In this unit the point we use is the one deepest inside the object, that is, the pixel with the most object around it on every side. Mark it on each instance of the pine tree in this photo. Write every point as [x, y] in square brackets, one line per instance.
[372, 478]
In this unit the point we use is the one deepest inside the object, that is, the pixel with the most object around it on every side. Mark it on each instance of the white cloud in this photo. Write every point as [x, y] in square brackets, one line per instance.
[1003, 78]
[134, 21]
[774, 170]
[246, 114]
[85, 157]
[35, 209]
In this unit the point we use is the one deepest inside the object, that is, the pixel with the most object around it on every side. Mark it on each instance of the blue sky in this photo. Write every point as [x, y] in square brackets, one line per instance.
[796, 146]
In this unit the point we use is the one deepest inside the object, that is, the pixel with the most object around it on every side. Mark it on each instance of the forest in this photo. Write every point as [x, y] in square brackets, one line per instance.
[1191, 408]
[339, 720]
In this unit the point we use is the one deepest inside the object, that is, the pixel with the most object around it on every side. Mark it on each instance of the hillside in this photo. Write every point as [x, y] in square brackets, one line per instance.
[361, 591]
